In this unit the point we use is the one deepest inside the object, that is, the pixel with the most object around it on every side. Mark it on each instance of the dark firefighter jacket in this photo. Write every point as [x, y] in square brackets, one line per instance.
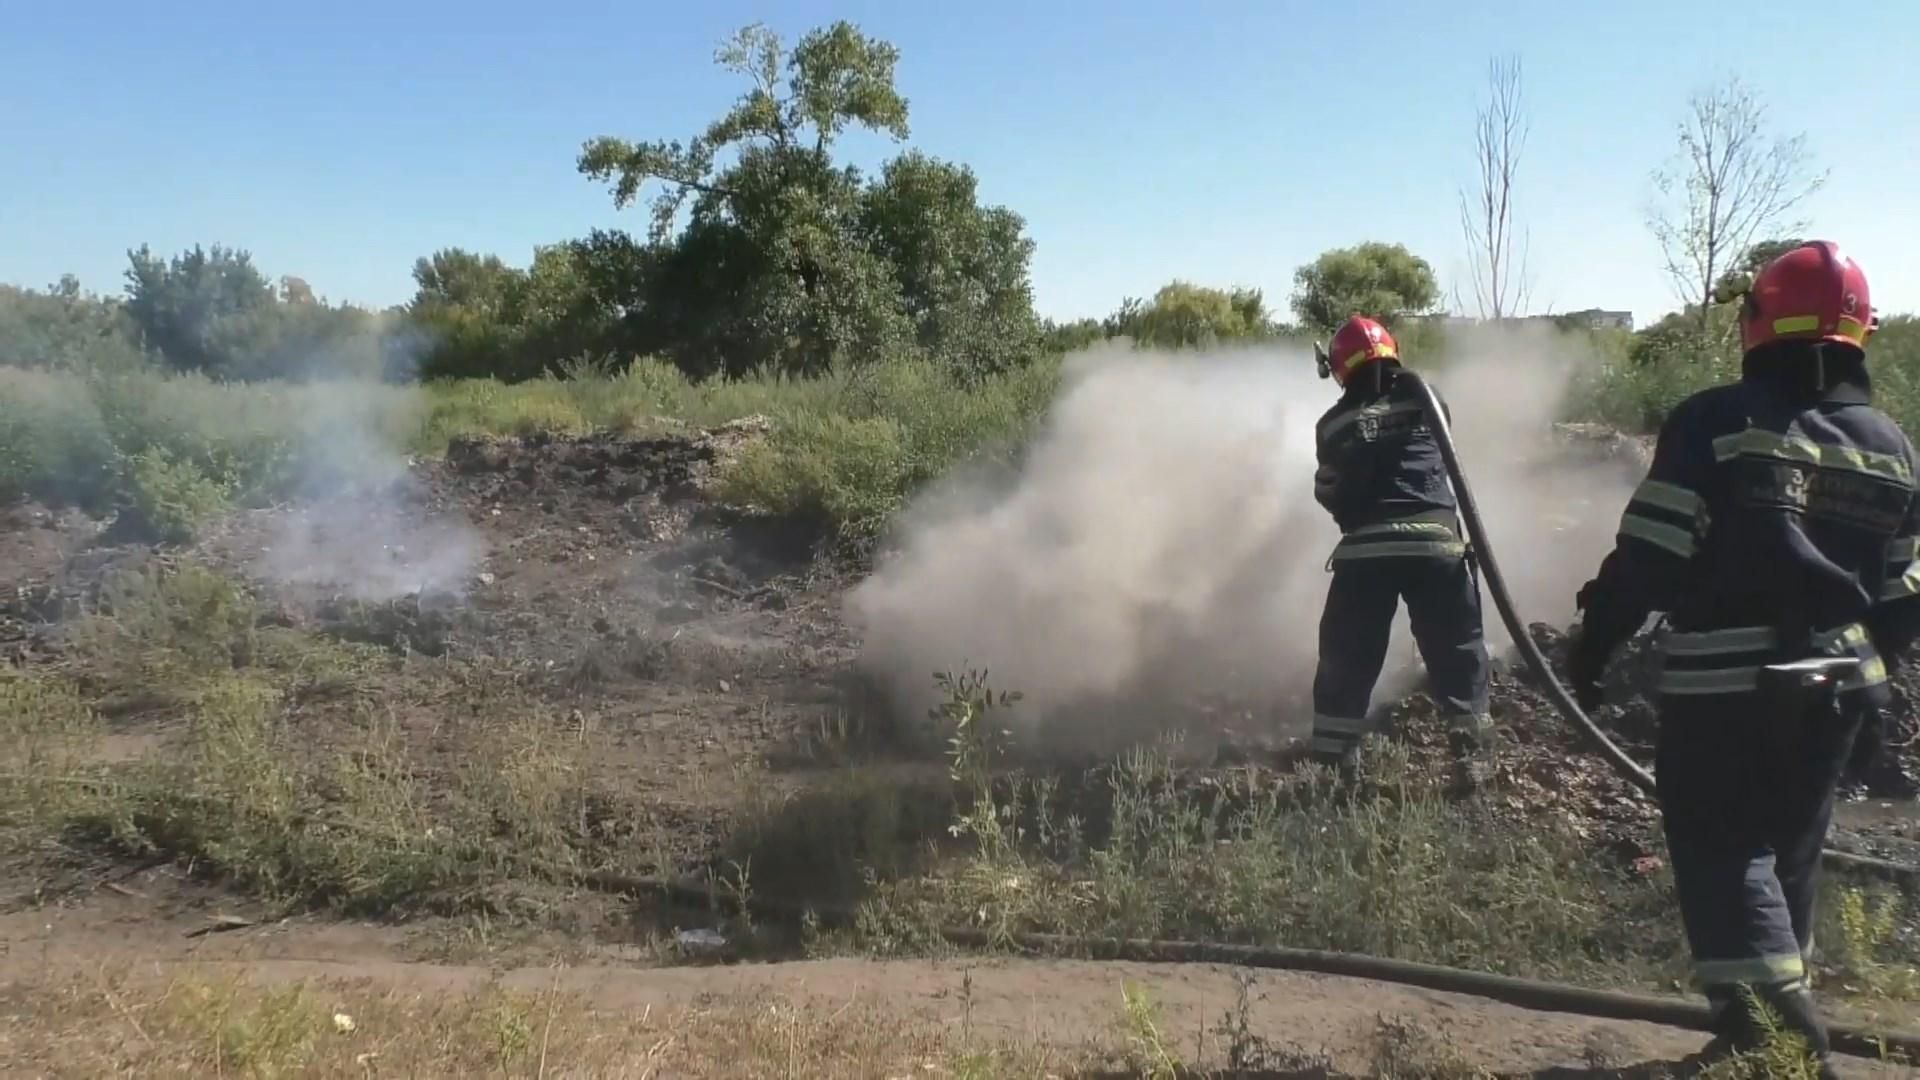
[1381, 475]
[1777, 520]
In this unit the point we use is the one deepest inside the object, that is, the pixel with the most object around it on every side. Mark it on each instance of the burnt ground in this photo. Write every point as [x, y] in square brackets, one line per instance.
[592, 584]
[596, 579]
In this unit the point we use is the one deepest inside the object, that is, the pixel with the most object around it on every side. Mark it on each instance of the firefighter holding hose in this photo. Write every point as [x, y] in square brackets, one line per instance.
[1382, 478]
[1776, 526]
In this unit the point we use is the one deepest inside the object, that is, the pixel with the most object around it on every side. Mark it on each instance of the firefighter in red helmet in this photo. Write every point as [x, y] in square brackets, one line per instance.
[1384, 482]
[1776, 525]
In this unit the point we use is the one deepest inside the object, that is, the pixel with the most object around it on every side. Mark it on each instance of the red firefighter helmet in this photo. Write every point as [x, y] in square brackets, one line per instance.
[1812, 293]
[1359, 341]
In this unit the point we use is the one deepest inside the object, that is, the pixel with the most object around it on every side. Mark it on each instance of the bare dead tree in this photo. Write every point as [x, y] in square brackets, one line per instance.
[1498, 276]
[1730, 184]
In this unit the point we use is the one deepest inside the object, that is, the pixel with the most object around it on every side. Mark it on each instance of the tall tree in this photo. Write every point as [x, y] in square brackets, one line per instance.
[206, 309]
[455, 277]
[1383, 281]
[962, 268]
[787, 260]
[1499, 277]
[834, 78]
[1730, 184]
[770, 270]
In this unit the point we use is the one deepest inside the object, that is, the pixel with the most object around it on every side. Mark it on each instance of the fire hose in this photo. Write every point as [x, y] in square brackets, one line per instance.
[1557, 692]
[1532, 994]
[1524, 993]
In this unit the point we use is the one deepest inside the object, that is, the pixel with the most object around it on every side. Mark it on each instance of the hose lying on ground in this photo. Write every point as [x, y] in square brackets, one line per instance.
[1523, 993]
[1562, 698]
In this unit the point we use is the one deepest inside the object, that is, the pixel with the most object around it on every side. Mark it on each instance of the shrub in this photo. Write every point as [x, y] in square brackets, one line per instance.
[168, 499]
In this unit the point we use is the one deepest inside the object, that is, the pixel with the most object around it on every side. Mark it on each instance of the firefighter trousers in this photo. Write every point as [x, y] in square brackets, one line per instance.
[1744, 827]
[1443, 607]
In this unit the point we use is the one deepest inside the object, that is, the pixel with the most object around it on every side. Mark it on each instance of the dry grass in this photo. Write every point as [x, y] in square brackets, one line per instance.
[212, 1025]
[245, 785]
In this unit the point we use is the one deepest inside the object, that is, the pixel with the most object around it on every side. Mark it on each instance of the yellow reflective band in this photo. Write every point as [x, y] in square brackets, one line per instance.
[1739, 639]
[1805, 451]
[1750, 638]
[1796, 324]
[1871, 672]
[1784, 967]
[1738, 680]
[1339, 725]
[1852, 329]
[1907, 584]
[1852, 634]
[1851, 638]
[1404, 528]
[1667, 496]
[1667, 537]
[1396, 548]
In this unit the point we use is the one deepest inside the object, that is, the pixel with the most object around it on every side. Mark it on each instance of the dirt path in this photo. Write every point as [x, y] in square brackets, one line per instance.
[1065, 1003]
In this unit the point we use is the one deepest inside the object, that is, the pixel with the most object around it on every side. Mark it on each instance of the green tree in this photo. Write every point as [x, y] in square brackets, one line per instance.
[962, 269]
[788, 261]
[1066, 337]
[1384, 281]
[1185, 314]
[456, 278]
[832, 78]
[207, 309]
[1737, 279]
[487, 319]
[66, 328]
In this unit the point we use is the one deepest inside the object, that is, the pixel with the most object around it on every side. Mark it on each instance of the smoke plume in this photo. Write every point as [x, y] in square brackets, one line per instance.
[1160, 545]
[363, 522]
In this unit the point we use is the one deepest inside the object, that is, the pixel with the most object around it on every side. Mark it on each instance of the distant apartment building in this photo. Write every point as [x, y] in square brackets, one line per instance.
[1600, 319]
[1590, 319]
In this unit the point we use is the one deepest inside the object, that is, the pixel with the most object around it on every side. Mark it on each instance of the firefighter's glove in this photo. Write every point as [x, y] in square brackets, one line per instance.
[1586, 667]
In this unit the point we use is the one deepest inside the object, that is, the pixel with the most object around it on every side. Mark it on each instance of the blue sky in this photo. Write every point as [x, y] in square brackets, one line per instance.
[1221, 142]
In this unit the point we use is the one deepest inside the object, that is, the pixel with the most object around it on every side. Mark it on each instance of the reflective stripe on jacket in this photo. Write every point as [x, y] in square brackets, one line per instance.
[1729, 661]
[1775, 509]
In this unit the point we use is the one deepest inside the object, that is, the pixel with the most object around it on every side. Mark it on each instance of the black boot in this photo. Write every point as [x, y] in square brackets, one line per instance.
[1739, 1028]
[1794, 1004]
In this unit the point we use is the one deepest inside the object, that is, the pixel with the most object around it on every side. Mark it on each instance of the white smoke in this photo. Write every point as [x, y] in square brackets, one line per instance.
[1160, 542]
[364, 522]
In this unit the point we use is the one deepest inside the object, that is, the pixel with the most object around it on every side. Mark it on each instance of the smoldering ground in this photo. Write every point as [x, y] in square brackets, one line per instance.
[362, 524]
[1159, 559]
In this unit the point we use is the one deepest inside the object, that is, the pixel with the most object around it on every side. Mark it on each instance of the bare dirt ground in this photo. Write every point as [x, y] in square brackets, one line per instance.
[149, 929]
[588, 584]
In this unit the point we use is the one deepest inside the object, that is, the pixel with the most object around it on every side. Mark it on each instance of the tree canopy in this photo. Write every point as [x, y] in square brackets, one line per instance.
[1383, 281]
[1185, 314]
[790, 261]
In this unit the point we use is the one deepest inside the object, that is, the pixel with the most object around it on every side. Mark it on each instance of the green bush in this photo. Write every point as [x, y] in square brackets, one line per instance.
[1633, 390]
[839, 469]
[169, 499]
[850, 461]
[65, 329]
[54, 442]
